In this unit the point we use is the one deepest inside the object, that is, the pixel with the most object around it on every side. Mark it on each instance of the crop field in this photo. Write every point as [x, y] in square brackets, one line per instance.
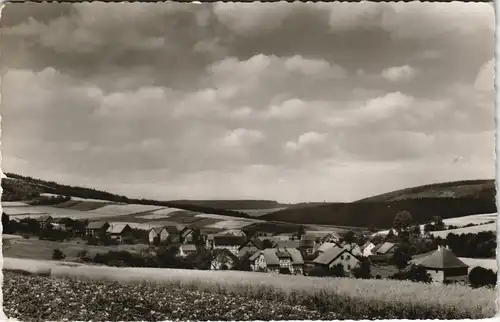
[466, 230]
[13, 204]
[125, 209]
[489, 263]
[472, 219]
[342, 298]
[42, 249]
[479, 220]
[230, 224]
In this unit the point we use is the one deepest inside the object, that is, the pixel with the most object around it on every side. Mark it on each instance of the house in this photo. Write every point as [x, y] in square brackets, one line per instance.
[223, 259]
[383, 252]
[278, 260]
[163, 233]
[307, 243]
[353, 248]
[64, 224]
[250, 246]
[118, 231]
[231, 243]
[44, 221]
[321, 248]
[444, 266]
[367, 248]
[287, 244]
[96, 228]
[187, 249]
[337, 255]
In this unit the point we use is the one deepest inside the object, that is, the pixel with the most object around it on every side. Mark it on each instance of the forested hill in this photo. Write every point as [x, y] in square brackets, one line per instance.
[447, 200]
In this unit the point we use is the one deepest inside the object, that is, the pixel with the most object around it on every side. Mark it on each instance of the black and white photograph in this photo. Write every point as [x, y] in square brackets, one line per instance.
[248, 161]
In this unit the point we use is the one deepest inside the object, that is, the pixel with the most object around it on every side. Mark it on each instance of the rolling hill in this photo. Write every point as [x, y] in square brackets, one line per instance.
[447, 200]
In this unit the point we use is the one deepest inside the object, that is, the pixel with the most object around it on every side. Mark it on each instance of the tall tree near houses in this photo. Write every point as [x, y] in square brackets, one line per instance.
[402, 222]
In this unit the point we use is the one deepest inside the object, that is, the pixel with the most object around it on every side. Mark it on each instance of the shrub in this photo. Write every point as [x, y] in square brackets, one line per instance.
[57, 254]
[480, 276]
[363, 270]
[413, 273]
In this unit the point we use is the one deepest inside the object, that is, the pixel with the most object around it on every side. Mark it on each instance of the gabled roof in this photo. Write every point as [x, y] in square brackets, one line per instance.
[44, 218]
[229, 240]
[329, 255]
[325, 246]
[188, 247]
[296, 255]
[170, 229]
[287, 244]
[156, 230]
[97, 224]
[247, 250]
[387, 246]
[310, 237]
[252, 243]
[117, 228]
[222, 252]
[441, 259]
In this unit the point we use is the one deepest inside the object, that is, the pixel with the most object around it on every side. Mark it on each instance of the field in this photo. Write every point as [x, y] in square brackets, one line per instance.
[489, 263]
[343, 298]
[480, 220]
[42, 249]
[466, 230]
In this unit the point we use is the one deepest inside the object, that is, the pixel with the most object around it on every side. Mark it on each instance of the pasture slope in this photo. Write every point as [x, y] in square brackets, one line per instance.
[348, 298]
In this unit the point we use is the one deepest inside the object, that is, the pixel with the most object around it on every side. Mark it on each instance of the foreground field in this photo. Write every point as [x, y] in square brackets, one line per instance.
[346, 298]
[32, 298]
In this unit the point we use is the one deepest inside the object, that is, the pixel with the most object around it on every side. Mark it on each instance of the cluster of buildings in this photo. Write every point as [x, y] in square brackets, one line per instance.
[282, 253]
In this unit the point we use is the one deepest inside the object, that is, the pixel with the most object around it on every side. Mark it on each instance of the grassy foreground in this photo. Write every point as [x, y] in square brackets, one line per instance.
[344, 298]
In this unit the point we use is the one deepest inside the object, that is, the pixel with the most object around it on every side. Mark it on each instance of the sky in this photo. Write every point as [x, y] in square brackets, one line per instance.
[277, 101]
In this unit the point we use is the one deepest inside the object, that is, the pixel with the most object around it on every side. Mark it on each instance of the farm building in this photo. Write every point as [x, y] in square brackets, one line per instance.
[118, 231]
[231, 243]
[367, 248]
[444, 266]
[223, 259]
[307, 243]
[96, 228]
[187, 249]
[250, 246]
[383, 252]
[321, 248]
[278, 260]
[337, 255]
[44, 221]
[163, 233]
[353, 248]
[287, 244]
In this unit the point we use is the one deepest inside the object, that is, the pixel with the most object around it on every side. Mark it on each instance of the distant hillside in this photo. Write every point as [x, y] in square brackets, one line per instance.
[232, 204]
[459, 189]
[447, 200]
[22, 188]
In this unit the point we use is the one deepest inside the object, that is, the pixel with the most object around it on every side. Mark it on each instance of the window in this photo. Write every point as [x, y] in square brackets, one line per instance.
[342, 257]
[348, 267]
[347, 257]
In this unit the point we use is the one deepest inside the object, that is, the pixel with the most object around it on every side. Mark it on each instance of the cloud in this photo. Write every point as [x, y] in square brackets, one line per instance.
[242, 137]
[485, 80]
[305, 140]
[400, 73]
[283, 97]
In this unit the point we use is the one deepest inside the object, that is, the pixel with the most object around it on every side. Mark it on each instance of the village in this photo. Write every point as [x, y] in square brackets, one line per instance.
[402, 253]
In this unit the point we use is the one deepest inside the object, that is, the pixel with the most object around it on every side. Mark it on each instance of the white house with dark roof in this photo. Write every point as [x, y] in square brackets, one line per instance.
[444, 266]
[337, 255]
[278, 260]
[118, 231]
[163, 233]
